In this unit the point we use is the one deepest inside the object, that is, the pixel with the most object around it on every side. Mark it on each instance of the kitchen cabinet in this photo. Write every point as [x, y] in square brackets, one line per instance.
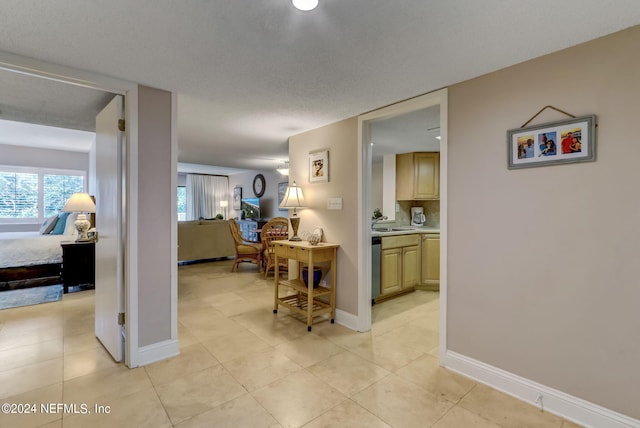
[417, 176]
[399, 265]
[430, 279]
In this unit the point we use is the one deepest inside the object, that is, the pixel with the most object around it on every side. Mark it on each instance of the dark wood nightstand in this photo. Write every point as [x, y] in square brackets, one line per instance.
[78, 263]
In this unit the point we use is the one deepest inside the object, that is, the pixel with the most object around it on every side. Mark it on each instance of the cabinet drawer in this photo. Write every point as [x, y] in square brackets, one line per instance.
[398, 241]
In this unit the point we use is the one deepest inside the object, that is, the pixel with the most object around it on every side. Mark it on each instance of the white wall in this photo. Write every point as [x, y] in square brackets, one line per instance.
[543, 278]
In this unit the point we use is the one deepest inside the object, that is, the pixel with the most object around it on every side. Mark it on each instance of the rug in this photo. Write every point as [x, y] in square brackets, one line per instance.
[30, 296]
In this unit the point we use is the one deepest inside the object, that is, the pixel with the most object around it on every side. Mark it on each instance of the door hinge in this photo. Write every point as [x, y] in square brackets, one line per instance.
[121, 124]
[121, 318]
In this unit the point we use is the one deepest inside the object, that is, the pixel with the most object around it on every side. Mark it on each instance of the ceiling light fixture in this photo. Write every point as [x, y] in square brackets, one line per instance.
[305, 5]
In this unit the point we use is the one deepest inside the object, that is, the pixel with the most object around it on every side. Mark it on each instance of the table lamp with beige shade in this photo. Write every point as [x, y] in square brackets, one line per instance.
[293, 198]
[81, 203]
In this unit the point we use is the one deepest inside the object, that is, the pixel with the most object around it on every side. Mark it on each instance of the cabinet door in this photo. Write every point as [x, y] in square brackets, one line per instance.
[390, 271]
[417, 176]
[426, 175]
[410, 266]
[431, 259]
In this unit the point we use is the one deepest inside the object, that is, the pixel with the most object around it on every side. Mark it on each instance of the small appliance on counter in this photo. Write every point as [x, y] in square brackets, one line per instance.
[417, 216]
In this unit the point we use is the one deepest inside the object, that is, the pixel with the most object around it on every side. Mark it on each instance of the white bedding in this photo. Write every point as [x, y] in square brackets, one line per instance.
[30, 248]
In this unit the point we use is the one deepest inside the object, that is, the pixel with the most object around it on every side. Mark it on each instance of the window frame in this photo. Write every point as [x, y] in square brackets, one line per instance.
[41, 172]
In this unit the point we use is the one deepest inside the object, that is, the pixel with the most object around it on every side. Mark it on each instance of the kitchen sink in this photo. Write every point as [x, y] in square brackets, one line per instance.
[392, 229]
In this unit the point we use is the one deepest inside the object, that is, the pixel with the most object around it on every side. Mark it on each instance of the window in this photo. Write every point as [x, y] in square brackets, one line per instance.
[32, 194]
[58, 189]
[18, 195]
[182, 203]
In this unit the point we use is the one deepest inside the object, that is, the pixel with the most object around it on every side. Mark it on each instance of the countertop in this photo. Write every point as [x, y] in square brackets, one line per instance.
[403, 230]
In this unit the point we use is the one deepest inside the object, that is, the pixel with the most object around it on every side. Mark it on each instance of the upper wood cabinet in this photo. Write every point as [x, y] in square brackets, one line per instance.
[417, 176]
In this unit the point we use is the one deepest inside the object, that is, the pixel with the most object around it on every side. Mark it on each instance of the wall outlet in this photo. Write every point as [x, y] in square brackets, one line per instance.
[334, 203]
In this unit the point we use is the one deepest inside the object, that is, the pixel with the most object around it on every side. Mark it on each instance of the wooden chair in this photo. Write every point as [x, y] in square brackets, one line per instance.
[275, 229]
[246, 251]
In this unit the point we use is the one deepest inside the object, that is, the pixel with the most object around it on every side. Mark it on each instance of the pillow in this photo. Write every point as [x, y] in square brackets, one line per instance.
[70, 227]
[59, 228]
[48, 224]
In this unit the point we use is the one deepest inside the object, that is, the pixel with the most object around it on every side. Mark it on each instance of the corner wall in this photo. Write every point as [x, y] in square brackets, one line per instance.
[156, 176]
[340, 227]
[542, 273]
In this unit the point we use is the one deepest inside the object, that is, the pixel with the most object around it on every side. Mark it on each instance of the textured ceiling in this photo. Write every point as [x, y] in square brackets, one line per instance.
[251, 74]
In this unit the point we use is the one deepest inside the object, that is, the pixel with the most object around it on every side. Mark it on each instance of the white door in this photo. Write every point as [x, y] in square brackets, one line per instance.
[109, 249]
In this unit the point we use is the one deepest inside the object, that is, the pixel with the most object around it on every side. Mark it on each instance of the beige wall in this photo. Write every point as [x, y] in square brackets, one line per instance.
[339, 227]
[543, 278]
[155, 190]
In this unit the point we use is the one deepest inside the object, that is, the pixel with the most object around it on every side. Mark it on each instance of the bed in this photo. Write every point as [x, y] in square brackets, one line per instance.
[30, 259]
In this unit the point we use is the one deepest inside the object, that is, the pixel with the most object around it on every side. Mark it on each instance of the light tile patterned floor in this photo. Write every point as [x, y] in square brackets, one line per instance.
[242, 366]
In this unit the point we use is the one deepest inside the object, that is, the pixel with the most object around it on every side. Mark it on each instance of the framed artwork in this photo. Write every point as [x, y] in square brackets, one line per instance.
[567, 141]
[319, 167]
[282, 189]
[237, 198]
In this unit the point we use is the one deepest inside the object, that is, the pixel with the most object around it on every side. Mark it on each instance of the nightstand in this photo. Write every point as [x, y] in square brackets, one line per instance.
[78, 263]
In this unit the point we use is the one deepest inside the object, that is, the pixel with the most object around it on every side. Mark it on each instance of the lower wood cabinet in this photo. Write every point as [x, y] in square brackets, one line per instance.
[399, 264]
[430, 278]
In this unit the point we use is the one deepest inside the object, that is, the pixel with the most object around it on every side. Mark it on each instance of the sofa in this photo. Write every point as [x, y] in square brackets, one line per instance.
[204, 239]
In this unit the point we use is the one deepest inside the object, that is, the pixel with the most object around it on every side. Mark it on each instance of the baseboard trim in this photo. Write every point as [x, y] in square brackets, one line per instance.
[557, 402]
[158, 351]
[346, 319]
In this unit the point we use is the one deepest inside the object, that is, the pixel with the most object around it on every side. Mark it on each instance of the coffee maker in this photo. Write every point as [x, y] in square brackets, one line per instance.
[417, 216]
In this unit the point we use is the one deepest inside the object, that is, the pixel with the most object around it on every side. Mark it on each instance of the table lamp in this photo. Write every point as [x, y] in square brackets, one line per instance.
[82, 204]
[224, 205]
[293, 198]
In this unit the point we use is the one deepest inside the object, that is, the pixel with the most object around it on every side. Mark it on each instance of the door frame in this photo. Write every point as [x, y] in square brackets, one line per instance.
[32, 67]
[439, 97]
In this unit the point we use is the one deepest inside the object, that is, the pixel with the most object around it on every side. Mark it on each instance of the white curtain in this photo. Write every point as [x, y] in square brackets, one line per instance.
[204, 194]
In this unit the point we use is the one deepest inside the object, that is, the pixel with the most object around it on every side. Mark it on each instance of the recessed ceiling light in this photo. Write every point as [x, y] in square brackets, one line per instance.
[305, 5]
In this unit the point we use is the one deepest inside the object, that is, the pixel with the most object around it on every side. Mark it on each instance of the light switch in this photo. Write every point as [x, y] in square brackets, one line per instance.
[334, 203]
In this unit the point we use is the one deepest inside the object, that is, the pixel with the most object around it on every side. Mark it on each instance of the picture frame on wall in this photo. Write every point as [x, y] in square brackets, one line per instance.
[282, 189]
[319, 167]
[566, 141]
[237, 198]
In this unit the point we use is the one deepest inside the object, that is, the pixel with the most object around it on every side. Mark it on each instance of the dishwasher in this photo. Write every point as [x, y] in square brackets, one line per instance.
[376, 242]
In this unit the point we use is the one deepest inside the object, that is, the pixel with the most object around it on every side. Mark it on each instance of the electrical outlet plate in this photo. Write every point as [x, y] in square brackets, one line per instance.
[334, 203]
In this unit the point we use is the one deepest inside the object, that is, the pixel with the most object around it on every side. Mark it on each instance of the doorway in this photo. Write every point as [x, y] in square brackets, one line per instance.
[365, 123]
[64, 86]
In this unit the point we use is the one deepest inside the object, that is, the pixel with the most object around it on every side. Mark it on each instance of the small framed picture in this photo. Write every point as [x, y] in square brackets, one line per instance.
[237, 198]
[319, 167]
[282, 189]
[567, 141]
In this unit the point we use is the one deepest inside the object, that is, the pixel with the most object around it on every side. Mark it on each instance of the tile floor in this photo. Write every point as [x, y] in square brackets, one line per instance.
[242, 366]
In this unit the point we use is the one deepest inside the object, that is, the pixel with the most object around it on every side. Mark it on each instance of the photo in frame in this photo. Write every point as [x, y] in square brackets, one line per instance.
[566, 141]
[237, 198]
[319, 167]
[282, 189]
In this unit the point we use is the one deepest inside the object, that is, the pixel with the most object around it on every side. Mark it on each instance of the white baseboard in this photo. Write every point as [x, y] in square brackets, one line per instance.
[158, 351]
[346, 319]
[559, 403]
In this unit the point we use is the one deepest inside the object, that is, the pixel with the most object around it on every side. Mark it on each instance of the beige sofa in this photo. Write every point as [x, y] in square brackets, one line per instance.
[204, 239]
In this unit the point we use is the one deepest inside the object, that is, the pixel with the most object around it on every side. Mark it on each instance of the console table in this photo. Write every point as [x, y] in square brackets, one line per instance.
[304, 299]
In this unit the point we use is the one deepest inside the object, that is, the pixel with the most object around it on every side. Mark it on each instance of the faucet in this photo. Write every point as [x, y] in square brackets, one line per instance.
[375, 220]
